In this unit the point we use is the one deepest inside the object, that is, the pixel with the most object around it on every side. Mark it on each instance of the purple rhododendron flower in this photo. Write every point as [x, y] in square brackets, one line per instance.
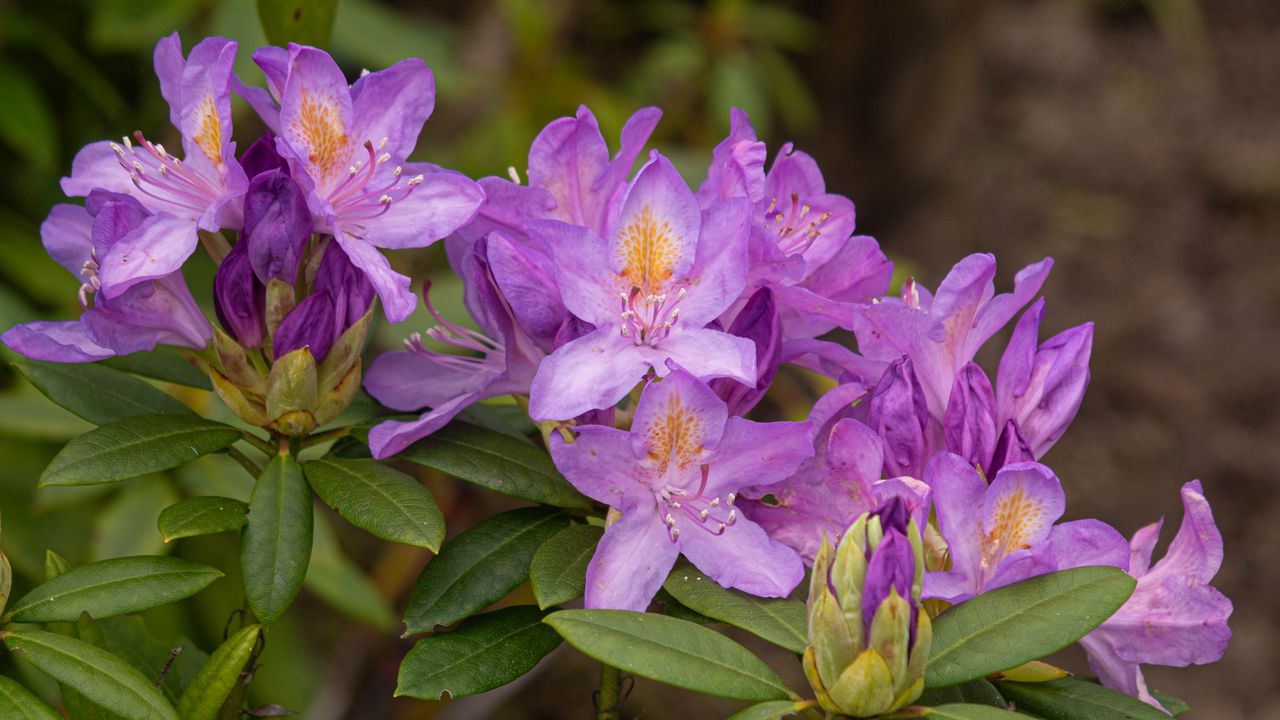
[148, 313]
[999, 534]
[1174, 617]
[346, 147]
[841, 481]
[199, 191]
[898, 412]
[674, 479]
[801, 243]
[448, 383]
[1041, 387]
[650, 286]
[942, 333]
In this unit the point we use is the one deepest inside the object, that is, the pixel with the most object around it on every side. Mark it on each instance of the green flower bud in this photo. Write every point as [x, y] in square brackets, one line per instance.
[868, 638]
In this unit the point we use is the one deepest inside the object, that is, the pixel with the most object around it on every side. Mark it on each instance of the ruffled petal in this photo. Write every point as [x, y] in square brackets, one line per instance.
[631, 562]
[591, 373]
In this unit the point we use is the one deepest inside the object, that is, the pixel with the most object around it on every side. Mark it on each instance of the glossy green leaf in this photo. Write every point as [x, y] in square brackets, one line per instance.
[771, 710]
[479, 566]
[962, 711]
[307, 22]
[380, 500]
[337, 580]
[671, 651]
[558, 571]
[203, 515]
[96, 393]
[113, 587]
[781, 622]
[1011, 625]
[277, 539]
[1072, 698]
[136, 446]
[497, 462]
[93, 672]
[161, 364]
[485, 652]
[19, 703]
[204, 697]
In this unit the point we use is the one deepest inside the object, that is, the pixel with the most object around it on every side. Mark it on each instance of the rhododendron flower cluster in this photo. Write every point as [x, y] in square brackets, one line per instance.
[639, 320]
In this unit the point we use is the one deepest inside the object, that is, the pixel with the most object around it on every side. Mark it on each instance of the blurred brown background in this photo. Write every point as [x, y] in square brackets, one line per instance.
[1137, 142]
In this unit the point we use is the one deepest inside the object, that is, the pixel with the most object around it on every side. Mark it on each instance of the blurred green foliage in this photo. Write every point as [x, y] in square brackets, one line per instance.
[75, 71]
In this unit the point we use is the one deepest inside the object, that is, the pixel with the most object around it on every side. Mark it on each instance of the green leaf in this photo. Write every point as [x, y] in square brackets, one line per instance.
[129, 637]
[136, 446]
[771, 710]
[308, 22]
[113, 587]
[19, 703]
[962, 711]
[485, 652]
[497, 462]
[339, 581]
[980, 692]
[277, 539]
[202, 515]
[94, 673]
[782, 622]
[671, 651]
[203, 698]
[380, 500]
[97, 393]
[1011, 625]
[558, 571]
[479, 566]
[161, 364]
[1071, 698]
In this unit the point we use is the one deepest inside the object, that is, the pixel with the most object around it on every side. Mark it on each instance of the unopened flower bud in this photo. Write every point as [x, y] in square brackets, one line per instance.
[868, 640]
[277, 225]
[239, 299]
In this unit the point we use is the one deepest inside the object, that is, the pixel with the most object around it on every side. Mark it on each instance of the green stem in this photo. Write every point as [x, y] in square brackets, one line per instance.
[250, 466]
[266, 447]
[609, 697]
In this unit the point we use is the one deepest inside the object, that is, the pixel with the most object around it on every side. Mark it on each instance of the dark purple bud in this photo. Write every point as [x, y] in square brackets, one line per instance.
[1042, 386]
[239, 299]
[277, 225]
[899, 413]
[310, 324]
[347, 286]
[894, 514]
[891, 566]
[1010, 448]
[262, 157]
[758, 322]
[969, 423]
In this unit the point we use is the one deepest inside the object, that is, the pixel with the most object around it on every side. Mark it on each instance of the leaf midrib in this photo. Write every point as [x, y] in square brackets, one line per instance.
[434, 547]
[487, 648]
[987, 629]
[75, 592]
[764, 606]
[651, 643]
[483, 558]
[91, 669]
[100, 452]
[188, 520]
